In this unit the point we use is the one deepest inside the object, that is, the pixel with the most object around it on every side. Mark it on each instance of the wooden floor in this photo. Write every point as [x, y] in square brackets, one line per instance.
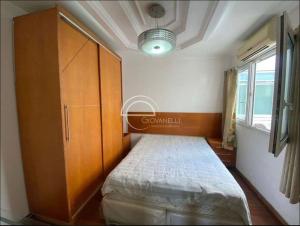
[259, 212]
[91, 214]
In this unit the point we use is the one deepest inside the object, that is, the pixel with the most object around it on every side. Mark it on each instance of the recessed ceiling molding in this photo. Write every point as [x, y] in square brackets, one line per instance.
[221, 10]
[89, 9]
[175, 12]
[207, 19]
[183, 10]
[133, 16]
[96, 7]
[76, 6]
[140, 11]
[188, 24]
[130, 11]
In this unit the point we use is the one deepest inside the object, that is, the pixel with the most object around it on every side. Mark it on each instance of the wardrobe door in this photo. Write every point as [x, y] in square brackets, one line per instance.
[79, 66]
[111, 102]
[39, 112]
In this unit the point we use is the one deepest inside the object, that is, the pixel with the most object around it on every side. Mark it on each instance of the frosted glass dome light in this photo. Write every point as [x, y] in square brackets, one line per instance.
[157, 41]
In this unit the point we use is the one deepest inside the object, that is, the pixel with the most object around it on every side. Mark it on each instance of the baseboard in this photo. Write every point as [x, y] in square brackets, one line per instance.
[12, 215]
[261, 198]
[4, 221]
[48, 220]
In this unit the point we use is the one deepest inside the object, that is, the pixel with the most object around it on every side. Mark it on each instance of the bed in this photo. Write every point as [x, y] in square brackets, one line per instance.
[173, 180]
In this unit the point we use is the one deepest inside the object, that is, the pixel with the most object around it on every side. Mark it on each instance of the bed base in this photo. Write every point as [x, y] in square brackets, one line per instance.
[117, 212]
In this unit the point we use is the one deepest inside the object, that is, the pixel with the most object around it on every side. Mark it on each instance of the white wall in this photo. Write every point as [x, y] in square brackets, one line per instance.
[13, 197]
[175, 82]
[261, 168]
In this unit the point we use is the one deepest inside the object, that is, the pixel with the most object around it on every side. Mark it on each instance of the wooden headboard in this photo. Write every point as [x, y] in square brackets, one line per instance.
[174, 123]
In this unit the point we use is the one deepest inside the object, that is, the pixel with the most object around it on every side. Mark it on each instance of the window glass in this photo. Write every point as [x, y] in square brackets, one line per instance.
[242, 93]
[289, 55]
[283, 91]
[263, 93]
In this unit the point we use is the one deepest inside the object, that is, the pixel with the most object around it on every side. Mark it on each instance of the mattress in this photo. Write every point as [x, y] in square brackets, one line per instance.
[177, 173]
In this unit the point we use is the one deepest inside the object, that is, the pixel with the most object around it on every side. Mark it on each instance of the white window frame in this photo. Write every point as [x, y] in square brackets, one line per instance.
[251, 66]
[244, 121]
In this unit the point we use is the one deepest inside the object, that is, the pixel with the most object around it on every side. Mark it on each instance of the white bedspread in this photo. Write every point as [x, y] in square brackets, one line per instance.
[181, 172]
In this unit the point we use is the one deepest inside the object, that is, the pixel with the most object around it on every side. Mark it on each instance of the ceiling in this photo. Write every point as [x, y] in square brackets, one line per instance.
[203, 28]
[127, 19]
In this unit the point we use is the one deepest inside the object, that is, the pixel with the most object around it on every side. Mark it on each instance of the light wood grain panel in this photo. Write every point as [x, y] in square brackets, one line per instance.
[111, 102]
[59, 109]
[71, 41]
[175, 123]
[228, 157]
[86, 30]
[39, 112]
[80, 79]
[83, 154]
[126, 143]
[81, 103]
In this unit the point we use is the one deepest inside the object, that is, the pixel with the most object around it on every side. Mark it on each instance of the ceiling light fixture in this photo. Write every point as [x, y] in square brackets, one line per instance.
[157, 41]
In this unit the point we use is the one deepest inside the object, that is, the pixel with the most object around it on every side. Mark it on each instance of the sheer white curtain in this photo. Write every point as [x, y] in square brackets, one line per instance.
[290, 180]
[229, 117]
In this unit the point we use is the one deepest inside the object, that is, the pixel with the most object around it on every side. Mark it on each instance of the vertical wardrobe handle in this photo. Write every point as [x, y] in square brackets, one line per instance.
[67, 129]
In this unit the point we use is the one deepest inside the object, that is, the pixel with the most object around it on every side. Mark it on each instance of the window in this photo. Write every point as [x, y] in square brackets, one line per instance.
[264, 89]
[263, 93]
[283, 104]
[242, 94]
[255, 92]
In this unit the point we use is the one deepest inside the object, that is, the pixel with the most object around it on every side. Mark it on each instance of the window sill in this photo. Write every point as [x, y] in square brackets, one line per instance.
[241, 123]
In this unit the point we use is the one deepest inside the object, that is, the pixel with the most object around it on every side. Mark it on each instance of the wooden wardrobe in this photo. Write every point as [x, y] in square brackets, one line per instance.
[69, 98]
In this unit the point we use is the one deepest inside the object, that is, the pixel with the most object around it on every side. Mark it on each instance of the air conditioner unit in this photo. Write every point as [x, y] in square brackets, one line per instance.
[263, 39]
